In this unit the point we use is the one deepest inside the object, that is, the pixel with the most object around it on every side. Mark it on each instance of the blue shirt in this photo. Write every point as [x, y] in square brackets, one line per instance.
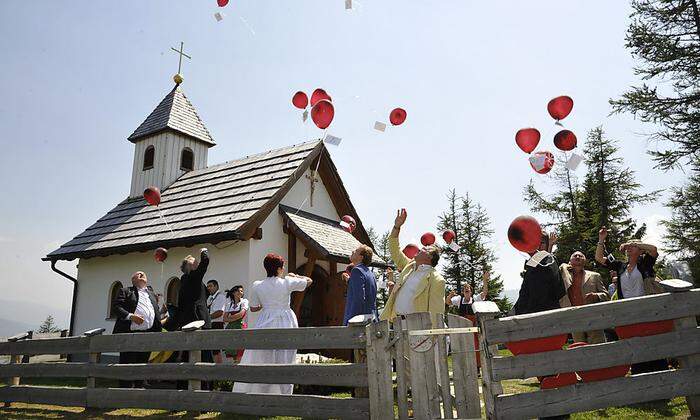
[362, 293]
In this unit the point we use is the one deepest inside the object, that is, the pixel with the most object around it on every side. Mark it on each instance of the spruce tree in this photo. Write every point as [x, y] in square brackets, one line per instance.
[48, 326]
[472, 228]
[665, 38]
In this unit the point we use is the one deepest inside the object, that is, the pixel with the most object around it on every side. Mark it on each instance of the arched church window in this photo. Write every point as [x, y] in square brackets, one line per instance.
[113, 292]
[172, 288]
[148, 157]
[187, 159]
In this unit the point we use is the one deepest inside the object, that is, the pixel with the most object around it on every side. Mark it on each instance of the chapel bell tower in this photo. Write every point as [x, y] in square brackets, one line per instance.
[171, 141]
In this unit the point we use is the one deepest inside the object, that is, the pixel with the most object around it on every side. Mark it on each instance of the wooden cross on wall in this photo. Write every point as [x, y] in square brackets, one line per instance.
[312, 185]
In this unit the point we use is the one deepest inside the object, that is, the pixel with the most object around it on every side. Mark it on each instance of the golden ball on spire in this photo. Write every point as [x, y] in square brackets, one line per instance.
[178, 79]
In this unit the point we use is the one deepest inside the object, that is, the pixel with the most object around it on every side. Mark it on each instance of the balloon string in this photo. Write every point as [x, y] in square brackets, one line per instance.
[161, 272]
[160, 213]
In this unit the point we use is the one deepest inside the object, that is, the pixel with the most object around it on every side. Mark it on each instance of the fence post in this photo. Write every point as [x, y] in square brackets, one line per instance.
[64, 333]
[16, 358]
[491, 389]
[685, 362]
[30, 335]
[464, 372]
[381, 392]
[93, 358]
[194, 356]
[360, 355]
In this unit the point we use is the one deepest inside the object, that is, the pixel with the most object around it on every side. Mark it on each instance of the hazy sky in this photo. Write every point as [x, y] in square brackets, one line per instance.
[77, 78]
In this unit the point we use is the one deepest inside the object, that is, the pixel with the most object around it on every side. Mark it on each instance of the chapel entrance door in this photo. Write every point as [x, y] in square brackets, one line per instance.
[323, 304]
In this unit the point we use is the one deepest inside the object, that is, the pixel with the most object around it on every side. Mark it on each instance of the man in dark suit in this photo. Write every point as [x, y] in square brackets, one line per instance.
[192, 303]
[542, 286]
[192, 297]
[137, 311]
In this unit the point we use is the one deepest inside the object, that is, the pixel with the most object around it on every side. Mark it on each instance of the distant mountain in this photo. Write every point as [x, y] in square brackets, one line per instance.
[8, 328]
[17, 316]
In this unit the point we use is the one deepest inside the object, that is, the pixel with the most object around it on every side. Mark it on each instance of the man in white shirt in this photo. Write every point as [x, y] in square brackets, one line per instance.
[216, 302]
[137, 311]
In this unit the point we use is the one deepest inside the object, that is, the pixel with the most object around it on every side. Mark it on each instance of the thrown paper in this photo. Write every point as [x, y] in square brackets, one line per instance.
[219, 16]
[574, 161]
[348, 4]
[379, 126]
[333, 140]
[305, 115]
[453, 246]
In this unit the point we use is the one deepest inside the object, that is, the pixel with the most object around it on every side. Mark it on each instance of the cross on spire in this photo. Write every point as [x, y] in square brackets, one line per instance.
[178, 76]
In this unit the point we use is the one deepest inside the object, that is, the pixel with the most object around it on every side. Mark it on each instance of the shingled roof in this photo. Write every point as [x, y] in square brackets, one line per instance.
[324, 236]
[222, 202]
[174, 112]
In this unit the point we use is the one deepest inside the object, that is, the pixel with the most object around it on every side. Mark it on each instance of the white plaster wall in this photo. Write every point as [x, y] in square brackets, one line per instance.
[228, 265]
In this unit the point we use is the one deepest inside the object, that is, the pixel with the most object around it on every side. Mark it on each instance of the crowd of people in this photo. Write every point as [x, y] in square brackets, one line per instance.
[415, 286]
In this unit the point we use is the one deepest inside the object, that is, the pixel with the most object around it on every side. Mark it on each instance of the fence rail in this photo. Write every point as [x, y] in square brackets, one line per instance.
[682, 343]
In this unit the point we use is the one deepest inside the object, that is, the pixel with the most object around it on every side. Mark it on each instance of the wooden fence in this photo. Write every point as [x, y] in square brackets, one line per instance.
[416, 349]
[356, 375]
[681, 341]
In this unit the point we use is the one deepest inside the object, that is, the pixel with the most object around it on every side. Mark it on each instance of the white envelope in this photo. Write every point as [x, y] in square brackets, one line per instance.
[219, 16]
[573, 162]
[379, 126]
[335, 141]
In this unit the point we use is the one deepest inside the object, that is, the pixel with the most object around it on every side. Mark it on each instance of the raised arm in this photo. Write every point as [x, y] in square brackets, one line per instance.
[600, 249]
[485, 289]
[399, 258]
[203, 264]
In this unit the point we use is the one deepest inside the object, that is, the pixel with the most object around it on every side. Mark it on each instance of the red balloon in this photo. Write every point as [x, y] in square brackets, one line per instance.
[152, 195]
[160, 255]
[525, 234]
[560, 107]
[427, 239]
[527, 139]
[397, 116]
[300, 100]
[322, 113]
[351, 223]
[448, 236]
[319, 95]
[222, 3]
[542, 162]
[411, 250]
[565, 140]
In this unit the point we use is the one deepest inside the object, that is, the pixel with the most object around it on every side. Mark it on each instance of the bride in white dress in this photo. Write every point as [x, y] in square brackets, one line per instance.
[271, 297]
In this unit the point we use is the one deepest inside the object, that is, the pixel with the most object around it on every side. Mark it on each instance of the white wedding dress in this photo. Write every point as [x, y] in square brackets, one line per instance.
[273, 293]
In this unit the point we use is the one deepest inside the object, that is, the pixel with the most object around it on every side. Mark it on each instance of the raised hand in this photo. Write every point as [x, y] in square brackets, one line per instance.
[602, 234]
[400, 218]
